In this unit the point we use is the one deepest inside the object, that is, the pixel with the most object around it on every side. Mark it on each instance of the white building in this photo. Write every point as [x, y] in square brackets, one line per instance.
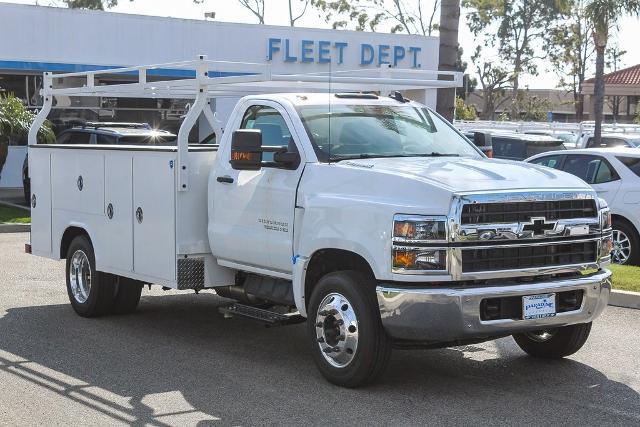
[36, 39]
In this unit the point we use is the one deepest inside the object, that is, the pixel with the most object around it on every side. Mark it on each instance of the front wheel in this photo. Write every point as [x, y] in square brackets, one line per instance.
[554, 343]
[348, 342]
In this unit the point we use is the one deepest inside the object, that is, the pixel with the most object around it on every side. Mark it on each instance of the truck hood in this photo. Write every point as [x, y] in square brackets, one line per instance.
[465, 174]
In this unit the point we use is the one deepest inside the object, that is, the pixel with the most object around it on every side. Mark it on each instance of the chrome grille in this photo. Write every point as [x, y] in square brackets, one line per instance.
[533, 256]
[511, 212]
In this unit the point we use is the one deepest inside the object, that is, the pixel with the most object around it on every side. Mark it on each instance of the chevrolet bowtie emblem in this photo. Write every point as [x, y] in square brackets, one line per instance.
[538, 226]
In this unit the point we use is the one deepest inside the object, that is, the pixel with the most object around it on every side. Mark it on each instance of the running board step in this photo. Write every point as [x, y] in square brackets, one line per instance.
[269, 318]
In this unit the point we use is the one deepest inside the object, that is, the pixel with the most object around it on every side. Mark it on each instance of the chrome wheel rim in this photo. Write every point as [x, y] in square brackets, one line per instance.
[80, 276]
[540, 336]
[337, 330]
[621, 251]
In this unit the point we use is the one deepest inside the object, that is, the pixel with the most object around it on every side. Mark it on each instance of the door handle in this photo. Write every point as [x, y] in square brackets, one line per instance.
[225, 179]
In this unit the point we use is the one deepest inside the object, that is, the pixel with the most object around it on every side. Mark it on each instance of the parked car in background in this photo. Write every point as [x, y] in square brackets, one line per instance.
[105, 133]
[517, 146]
[610, 140]
[615, 175]
[482, 140]
[569, 139]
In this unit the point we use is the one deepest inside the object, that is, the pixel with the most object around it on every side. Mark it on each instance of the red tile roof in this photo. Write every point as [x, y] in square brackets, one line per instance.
[627, 76]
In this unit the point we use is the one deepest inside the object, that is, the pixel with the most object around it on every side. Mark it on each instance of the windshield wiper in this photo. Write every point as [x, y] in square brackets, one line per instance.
[338, 158]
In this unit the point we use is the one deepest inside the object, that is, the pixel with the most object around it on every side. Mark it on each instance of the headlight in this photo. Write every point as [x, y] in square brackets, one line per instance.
[605, 214]
[415, 228]
[411, 230]
[606, 220]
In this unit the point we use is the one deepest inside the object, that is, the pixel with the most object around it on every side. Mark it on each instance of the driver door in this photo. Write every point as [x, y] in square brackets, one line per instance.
[253, 211]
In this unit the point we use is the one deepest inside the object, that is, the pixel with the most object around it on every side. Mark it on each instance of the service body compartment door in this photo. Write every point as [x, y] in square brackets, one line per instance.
[154, 244]
[78, 181]
[118, 207]
[40, 174]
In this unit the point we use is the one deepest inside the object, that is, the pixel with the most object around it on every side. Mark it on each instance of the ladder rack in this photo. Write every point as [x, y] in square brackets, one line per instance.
[202, 80]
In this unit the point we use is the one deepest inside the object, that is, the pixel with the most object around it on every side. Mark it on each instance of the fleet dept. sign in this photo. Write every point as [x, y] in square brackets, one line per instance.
[325, 52]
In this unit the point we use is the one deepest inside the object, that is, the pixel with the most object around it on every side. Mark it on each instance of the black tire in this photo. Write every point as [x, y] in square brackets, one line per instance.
[563, 341]
[629, 231]
[26, 187]
[127, 295]
[100, 297]
[373, 344]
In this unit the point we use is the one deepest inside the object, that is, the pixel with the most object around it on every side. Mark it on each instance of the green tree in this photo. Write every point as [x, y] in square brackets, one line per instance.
[293, 16]
[97, 4]
[531, 107]
[494, 81]
[604, 15]
[465, 112]
[15, 121]
[613, 62]
[256, 7]
[571, 50]
[91, 4]
[517, 28]
[404, 16]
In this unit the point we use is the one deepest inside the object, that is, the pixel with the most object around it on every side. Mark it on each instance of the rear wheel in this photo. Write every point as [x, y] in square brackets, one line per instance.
[90, 292]
[26, 188]
[348, 342]
[554, 343]
[127, 295]
[625, 244]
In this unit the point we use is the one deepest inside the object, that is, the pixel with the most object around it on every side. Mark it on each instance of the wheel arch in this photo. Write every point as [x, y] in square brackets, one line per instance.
[617, 217]
[69, 234]
[328, 260]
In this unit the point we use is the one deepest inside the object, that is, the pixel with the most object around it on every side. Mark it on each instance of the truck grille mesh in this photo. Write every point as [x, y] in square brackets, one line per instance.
[489, 213]
[519, 257]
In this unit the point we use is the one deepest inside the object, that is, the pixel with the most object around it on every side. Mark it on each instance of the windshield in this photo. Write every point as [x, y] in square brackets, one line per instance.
[341, 132]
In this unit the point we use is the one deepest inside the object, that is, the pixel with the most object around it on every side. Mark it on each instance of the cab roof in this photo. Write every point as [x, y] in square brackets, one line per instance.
[302, 99]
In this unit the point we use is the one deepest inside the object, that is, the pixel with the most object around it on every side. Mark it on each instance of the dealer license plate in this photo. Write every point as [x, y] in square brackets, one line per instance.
[538, 306]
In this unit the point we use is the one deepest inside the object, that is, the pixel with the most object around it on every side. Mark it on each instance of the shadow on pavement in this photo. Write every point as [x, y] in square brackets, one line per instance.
[178, 348]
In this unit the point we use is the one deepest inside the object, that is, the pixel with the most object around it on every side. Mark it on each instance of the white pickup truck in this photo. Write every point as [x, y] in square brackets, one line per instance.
[368, 216]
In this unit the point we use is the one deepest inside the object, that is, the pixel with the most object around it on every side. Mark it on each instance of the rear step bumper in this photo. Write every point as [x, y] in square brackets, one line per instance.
[449, 314]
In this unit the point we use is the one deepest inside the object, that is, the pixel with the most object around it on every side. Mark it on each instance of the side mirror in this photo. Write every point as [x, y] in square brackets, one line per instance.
[483, 141]
[287, 159]
[246, 150]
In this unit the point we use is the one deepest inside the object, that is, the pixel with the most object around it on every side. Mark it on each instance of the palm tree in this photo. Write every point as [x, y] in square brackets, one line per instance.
[449, 20]
[15, 121]
[604, 14]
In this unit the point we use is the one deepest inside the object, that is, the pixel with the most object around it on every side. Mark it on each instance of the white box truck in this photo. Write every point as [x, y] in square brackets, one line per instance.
[368, 216]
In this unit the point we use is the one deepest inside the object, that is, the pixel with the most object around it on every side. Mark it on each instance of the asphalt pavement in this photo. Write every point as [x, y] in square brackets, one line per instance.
[177, 361]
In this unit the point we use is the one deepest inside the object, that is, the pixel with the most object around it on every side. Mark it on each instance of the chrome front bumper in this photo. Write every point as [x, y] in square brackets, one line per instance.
[452, 314]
